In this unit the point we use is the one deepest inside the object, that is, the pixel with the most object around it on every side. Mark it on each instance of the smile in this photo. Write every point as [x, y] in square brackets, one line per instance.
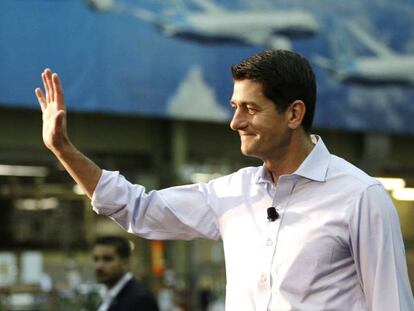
[246, 134]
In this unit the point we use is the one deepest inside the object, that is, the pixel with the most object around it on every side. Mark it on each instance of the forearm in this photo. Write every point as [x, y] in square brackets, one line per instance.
[54, 133]
[84, 171]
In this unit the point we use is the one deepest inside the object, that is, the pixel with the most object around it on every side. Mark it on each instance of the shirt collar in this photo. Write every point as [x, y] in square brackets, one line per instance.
[314, 167]
[119, 285]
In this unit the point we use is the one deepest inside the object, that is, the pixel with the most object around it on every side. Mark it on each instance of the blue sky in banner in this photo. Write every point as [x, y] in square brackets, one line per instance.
[172, 58]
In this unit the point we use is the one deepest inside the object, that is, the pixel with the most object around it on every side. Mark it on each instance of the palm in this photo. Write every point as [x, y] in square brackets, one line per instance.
[53, 110]
[53, 125]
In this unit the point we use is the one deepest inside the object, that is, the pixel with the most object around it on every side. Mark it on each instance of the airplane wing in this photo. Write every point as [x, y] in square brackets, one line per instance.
[270, 40]
[323, 62]
[254, 37]
[279, 42]
[209, 6]
[100, 5]
[143, 14]
[368, 40]
[340, 69]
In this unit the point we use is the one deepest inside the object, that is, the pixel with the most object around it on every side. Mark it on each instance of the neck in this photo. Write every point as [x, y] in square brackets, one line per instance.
[289, 159]
[112, 282]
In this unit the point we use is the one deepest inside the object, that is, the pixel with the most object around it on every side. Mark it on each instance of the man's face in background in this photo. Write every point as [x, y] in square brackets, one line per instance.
[109, 266]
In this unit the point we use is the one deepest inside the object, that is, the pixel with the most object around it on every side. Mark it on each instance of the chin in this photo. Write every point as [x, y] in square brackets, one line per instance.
[248, 153]
[245, 151]
[101, 278]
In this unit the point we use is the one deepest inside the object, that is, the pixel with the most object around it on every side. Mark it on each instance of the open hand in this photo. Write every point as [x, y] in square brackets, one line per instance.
[53, 110]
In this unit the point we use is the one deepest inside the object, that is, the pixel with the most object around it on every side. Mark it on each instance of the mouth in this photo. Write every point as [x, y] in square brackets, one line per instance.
[99, 274]
[246, 135]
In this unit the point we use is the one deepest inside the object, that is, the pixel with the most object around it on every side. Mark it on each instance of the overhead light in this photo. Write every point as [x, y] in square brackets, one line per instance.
[78, 190]
[392, 183]
[34, 204]
[201, 173]
[203, 177]
[131, 245]
[19, 170]
[404, 194]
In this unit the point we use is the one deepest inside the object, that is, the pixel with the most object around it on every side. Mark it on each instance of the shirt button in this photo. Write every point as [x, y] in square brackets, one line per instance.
[263, 278]
[269, 242]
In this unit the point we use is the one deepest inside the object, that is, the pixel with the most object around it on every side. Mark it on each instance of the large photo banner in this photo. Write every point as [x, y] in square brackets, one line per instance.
[172, 58]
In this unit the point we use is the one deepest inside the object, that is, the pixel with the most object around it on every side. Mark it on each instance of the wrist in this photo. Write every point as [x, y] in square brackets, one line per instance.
[64, 150]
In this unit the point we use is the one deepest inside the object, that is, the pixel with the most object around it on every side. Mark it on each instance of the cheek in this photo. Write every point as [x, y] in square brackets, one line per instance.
[108, 268]
[268, 130]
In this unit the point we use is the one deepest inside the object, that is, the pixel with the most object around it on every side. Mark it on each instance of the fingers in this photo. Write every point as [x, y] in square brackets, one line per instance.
[57, 91]
[53, 90]
[41, 98]
[46, 76]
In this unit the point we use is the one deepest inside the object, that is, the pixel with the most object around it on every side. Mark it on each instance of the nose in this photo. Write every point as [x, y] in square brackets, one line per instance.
[238, 121]
[98, 264]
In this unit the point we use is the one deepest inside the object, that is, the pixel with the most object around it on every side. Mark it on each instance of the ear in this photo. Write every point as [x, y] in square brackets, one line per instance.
[296, 113]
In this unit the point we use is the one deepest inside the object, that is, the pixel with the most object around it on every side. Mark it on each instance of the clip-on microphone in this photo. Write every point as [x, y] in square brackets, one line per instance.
[272, 214]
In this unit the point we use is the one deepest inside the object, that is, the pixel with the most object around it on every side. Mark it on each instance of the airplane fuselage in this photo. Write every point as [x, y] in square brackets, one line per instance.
[398, 68]
[247, 26]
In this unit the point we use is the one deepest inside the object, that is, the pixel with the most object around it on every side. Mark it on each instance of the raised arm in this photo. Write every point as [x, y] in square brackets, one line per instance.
[85, 172]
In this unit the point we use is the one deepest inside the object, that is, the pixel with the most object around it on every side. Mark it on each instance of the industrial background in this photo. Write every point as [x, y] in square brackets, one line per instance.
[147, 86]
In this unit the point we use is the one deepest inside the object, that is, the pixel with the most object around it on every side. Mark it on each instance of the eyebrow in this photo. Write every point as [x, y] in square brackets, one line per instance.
[243, 103]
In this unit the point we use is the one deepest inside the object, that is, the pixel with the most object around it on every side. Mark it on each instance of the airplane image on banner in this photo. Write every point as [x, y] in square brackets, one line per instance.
[214, 24]
[385, 66]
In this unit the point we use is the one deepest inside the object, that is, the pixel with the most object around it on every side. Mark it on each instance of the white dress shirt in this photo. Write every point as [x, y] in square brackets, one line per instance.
[336, 246]
[109, 295]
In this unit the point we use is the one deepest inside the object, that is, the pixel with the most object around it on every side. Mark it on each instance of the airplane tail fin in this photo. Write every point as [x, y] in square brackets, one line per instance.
[100, 5]
[367, 40]
[341, 47]
[341, 54]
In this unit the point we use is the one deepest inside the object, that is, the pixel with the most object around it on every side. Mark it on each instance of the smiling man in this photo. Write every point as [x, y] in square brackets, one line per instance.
[305, 231]
[267, 131]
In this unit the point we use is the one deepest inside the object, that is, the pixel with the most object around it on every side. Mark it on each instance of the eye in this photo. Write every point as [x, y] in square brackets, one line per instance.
[107, 258]
[251, 110]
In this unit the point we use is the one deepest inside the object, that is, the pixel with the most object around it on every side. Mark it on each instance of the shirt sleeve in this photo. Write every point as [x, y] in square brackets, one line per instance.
[182, 212]
[378, 251]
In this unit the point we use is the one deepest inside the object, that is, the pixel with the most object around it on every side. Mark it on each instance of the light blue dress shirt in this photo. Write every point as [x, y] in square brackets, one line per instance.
[336, 246]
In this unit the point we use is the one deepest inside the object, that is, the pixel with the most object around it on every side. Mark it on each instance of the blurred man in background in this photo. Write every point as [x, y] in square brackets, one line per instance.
[111, 256]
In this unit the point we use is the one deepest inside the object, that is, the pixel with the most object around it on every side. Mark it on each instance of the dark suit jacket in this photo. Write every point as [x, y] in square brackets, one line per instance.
[134, 296]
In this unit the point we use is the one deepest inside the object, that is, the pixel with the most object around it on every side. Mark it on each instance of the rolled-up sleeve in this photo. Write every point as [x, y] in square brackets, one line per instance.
[180, 212]
[378, 250]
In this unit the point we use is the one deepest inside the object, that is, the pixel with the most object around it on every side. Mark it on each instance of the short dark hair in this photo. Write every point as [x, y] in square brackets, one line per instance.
[285, 76]
[120, 244]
